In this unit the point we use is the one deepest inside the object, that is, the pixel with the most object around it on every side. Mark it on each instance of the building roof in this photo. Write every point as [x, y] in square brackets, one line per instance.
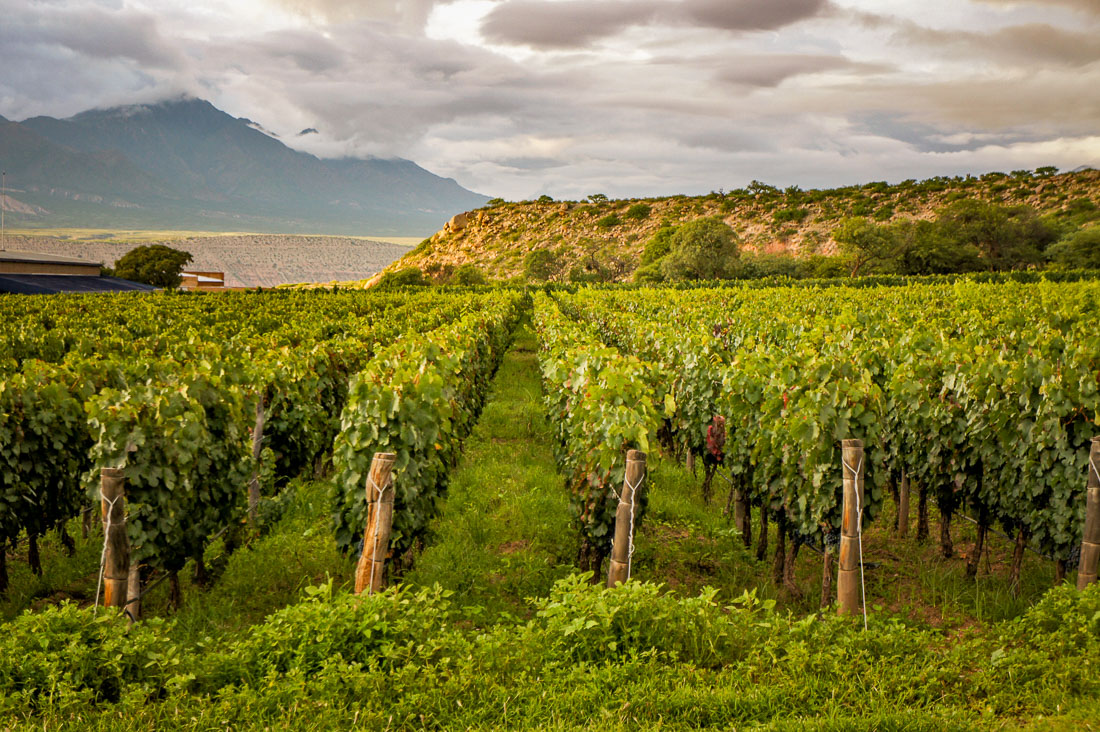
[35, 284]
[8, 255]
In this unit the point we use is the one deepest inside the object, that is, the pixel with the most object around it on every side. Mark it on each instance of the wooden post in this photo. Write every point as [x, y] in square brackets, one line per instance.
[133, 593]
[257, 448]
[618, 570]
[903, 506]
[116, 561]
[1090, 543]
[376, 539]
[848, 578]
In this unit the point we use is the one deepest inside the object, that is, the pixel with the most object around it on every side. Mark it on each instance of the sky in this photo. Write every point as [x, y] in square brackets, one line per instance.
[520, 98]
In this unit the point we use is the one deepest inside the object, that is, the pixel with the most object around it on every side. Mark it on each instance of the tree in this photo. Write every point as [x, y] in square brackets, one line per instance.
[1079, 250]
[923, 249]
[1007, 237]
[704, 249]
[658, 246]
[866, 245]
[153, 264]
[542, 265]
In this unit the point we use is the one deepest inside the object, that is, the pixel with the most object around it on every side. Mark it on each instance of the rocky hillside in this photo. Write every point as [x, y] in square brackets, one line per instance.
[498, 237]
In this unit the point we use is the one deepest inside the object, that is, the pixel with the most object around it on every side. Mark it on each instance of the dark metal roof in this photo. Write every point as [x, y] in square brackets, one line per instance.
[35, 284]
[9, 255]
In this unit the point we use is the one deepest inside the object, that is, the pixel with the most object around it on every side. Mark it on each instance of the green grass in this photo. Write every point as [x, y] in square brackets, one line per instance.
[503, 531]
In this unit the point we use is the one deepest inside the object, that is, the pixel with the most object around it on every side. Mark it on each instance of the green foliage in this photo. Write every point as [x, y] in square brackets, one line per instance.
[788, 215]
[405, 277]
[601, 404]
[923, 248]
[1079, 250]
[153, 264]
[598, 198]
[65, 659]
[866, 245]
[542, 265]
[545, 199]
[659, 245]
[702, 249]
[649, 273]
[417, 399]
[638, 211]
[1005, 237]
[609, 221]
[182, 443]
[468, 274]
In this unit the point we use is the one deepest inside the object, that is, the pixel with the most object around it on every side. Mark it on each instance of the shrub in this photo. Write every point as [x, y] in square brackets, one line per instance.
[407, 277]
[65, 657]
[1079, 250]
[638, 211]
[609, 221]
[789, 215]
[542, 265]
[468, 274]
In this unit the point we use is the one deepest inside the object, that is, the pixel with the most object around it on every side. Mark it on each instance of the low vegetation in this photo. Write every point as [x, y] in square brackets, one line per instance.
[998, 221]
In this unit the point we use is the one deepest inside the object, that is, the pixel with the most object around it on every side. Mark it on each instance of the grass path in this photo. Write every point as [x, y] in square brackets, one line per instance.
[503, 533]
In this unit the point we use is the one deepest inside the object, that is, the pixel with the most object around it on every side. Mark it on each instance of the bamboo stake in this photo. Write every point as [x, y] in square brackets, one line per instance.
[826, 576]
[848, 581]
[1090, 542]
[618, 570]
[257, 448]
[376, 539]
[903, 506]
[116, 554]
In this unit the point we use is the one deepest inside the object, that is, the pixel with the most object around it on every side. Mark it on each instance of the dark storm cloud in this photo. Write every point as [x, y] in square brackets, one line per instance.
[578, 23]
[61, 58]
[87, 30]
[927, 138]
[749, 15]
[572, 24]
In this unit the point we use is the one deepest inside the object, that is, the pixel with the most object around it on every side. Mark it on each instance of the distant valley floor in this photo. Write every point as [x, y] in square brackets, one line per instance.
[248, 260]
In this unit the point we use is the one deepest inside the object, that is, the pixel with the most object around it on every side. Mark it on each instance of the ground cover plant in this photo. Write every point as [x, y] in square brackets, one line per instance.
[487, 621]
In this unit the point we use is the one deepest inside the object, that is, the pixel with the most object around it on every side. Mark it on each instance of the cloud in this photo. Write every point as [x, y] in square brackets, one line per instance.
[750, 15]
[410, 15]
[1023, 45]
[653, 96]
[770, 70]
[1086, 6]
[571, 24]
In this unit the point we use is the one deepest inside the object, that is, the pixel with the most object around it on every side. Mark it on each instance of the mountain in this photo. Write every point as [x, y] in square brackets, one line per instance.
[608, 237]
[186, 164]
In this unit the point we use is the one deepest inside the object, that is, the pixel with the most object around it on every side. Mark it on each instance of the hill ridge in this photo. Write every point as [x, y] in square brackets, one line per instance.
[498, 237]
